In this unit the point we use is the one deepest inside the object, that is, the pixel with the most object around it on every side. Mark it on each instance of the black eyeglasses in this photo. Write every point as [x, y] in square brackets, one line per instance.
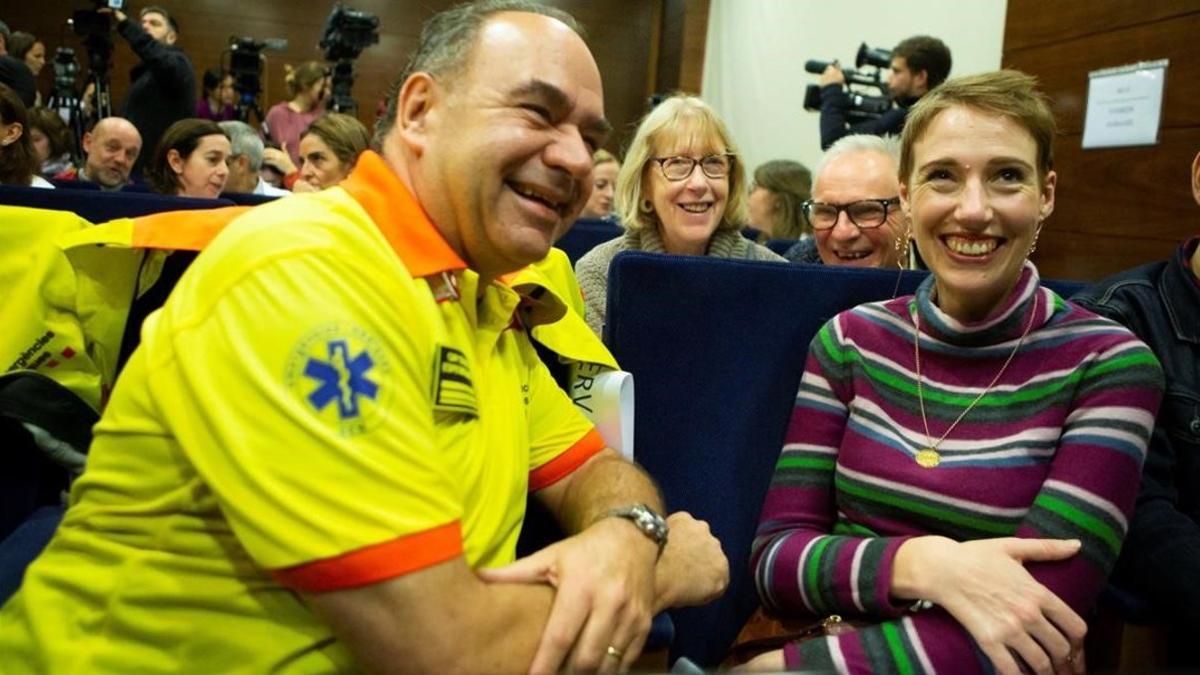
[679, 168]
[867, 214]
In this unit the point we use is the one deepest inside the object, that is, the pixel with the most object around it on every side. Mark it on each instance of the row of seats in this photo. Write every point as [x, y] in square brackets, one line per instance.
[716, 347]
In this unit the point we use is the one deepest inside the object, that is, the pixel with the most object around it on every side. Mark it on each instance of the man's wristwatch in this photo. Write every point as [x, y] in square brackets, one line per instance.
[645, 519]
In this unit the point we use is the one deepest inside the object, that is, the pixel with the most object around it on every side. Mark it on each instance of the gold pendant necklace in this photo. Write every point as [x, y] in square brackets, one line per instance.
[928, 456]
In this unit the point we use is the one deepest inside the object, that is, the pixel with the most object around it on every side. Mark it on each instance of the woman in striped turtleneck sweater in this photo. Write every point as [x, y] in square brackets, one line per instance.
[987, 467]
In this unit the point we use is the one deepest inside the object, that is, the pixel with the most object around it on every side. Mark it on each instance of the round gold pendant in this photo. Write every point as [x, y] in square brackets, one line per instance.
[928, 458]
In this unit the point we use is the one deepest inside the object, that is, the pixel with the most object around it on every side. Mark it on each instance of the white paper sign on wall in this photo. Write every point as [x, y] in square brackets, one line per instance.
[1124, 105]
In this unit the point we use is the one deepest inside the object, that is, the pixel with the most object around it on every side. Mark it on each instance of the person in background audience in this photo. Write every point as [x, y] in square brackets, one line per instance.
[15, 73]
[286, 121]
[216, 102]
[777, 196]
[191, 160]
[604, 185]
[329, 149]
[28, 48]
[245, 160]
[51, 141]
[973, 449]
[681, 190]
[1160, 303]
[855, 208]
[110, 150]
[18, 159]
[162, 86]
[319, 457]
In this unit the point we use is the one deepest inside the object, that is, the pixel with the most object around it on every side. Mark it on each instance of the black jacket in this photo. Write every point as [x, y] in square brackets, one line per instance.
[835, 102]
[1160, 303]
[162, 89]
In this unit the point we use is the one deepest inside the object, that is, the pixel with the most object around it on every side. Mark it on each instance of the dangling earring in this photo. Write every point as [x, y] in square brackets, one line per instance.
[901, 245]
[646, 206]
[1033, 246]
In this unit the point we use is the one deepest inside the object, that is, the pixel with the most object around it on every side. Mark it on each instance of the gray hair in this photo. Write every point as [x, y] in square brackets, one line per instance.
[4, 32]
[847, 145]
[447, 39]
[243, 140]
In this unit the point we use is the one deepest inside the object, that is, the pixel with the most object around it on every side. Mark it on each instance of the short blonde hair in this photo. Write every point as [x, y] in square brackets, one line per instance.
[679, 118]
[1010, 94]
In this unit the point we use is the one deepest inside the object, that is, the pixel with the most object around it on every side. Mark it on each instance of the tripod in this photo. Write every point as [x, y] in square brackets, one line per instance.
[247, 104]
[341, 84]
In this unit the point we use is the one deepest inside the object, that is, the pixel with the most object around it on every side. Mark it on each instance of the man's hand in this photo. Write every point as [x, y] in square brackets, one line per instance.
[693, 569]
[833, 75]
[604, 581]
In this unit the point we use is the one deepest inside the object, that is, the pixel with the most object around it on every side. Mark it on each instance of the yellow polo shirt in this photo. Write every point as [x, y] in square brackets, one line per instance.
[326, 400]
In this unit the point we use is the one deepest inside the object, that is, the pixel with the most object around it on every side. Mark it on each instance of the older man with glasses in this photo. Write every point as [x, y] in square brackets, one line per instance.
[855, 206]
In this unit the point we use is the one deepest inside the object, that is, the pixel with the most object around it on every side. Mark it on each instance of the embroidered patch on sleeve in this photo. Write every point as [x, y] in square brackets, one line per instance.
[453, 390]
[340, 372]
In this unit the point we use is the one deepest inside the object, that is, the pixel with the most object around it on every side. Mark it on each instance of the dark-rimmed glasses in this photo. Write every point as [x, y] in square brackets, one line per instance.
[866, 213]
[680, 168]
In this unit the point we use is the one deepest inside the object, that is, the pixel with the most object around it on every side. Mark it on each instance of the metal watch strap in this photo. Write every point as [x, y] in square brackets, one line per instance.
[645, 519]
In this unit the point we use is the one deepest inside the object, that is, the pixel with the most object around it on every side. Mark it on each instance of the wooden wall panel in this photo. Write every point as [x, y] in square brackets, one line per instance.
[1117, 207]
[695, 39]
[619, 34]
[1128, 191]
[1067, 255]
[1058, 67]
[1032, 23]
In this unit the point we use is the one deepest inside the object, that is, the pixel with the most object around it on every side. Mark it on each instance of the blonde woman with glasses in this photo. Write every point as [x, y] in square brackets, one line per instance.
[681, 191]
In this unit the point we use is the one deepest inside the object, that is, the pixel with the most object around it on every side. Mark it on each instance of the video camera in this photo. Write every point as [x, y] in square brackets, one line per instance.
[246, 66]
[862, 106]
[66, 68]
[90, 22]
[346, 33]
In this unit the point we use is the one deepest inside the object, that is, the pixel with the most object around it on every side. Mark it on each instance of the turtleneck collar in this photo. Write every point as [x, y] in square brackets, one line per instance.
[1007, 322]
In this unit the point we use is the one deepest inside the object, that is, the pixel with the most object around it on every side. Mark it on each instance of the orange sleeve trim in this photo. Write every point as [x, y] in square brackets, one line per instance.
[572, 458]
[377, 562]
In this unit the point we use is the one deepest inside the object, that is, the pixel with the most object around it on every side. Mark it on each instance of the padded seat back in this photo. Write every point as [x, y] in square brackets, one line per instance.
[717, 348]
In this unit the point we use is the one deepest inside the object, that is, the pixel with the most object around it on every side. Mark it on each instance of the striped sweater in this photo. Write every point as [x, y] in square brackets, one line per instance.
[1054, 450]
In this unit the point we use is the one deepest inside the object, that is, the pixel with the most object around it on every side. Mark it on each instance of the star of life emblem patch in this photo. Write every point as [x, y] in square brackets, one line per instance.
[453, 389]
[340, 372]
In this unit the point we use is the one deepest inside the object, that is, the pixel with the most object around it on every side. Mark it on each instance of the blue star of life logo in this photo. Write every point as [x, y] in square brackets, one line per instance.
[342, 378]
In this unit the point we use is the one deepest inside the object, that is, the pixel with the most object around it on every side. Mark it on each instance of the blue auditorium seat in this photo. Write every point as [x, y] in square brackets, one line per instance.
[585, 234]
[246, 199]
[63, 184]
[717, 348]
[780, 246]
[98, 206]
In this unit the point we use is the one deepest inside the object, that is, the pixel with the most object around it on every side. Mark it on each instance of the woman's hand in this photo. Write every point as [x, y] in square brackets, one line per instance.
[279, 159]
[985, 586]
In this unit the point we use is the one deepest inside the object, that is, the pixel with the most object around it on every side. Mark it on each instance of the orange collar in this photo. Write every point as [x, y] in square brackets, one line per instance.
[400, 218]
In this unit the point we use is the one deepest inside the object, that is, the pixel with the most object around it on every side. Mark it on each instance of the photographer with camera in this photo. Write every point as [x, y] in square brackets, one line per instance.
[918, 64]
[163, 85]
